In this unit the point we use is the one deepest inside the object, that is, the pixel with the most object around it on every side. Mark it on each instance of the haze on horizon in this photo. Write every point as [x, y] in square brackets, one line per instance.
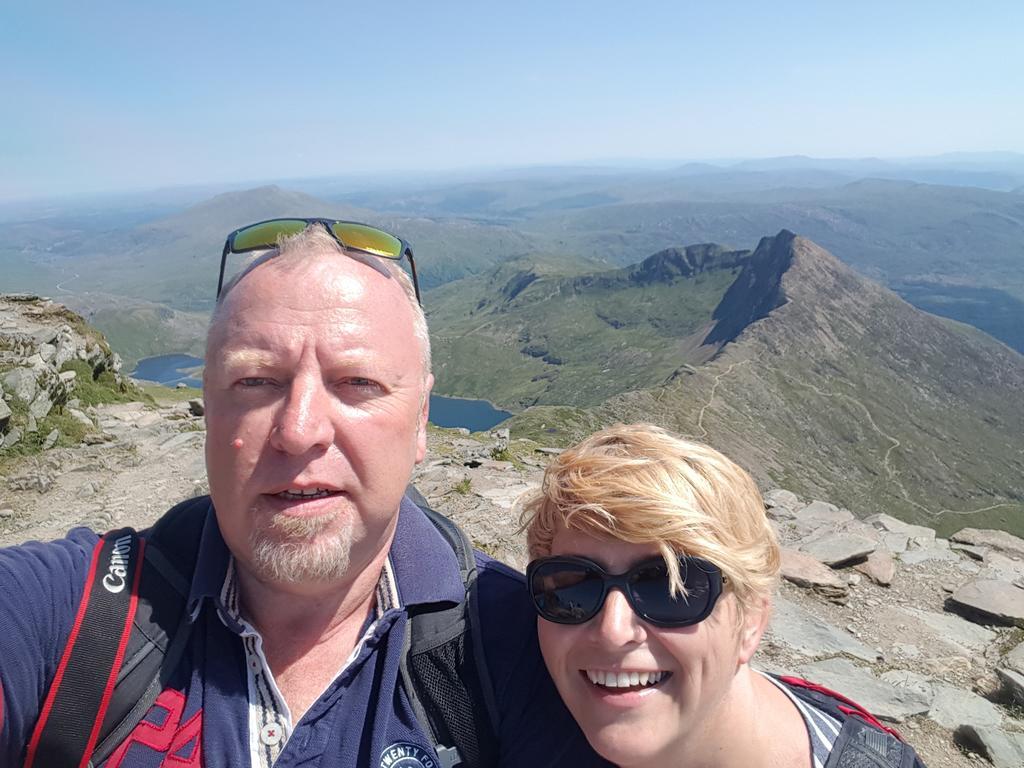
[122, 96]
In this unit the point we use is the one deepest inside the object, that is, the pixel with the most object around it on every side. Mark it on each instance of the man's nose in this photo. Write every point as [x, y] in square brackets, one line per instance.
[617, 624]
[303, 421]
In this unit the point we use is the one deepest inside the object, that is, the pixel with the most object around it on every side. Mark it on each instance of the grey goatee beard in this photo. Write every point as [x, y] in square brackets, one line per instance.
[302, 549]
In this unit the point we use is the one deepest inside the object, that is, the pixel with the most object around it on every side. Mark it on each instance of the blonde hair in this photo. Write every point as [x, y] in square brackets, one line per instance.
[293, 249]
[641, 484]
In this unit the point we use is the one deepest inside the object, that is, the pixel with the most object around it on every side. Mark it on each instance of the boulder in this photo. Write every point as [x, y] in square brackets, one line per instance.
[196, 407]
[12, 438]
[40, 406]
[51, 439]
[954, 707]
[885, 701]
[989, 601]
[21, 382]
[880, 567]
[805, 571]
[47, 351]
[839, 549]
[5, 415]
[1002, 749]
[1001, 541]
[81, 418]
[778, 497]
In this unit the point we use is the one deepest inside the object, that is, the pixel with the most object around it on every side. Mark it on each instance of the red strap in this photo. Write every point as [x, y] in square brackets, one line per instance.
[851, 708]
[44, 716]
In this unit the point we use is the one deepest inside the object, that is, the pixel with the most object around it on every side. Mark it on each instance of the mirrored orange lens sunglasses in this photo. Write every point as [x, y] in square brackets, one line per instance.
[350, 234]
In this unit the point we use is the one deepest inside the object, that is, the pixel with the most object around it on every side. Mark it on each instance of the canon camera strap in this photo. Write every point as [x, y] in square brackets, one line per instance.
[63, 738]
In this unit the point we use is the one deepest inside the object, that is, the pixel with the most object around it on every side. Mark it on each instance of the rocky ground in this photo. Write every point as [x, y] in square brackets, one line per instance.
[923, 631]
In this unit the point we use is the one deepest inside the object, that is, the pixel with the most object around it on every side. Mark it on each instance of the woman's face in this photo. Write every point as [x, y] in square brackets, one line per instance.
[689, 670]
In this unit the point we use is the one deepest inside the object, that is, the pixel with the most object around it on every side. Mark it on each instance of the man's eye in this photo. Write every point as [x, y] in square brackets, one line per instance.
[254, 381]
[360, 382]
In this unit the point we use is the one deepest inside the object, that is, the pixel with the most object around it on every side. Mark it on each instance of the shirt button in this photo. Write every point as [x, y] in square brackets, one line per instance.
[270, 734]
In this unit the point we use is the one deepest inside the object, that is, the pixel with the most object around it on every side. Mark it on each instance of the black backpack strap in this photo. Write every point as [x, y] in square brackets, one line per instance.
[73, 712]
[444, 670]
[162, 627]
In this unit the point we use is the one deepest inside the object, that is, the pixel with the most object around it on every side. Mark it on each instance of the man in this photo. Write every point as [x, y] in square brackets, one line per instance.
[311, 562]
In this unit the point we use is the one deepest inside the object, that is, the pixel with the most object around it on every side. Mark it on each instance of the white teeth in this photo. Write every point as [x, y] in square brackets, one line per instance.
[299, 493]
[623, 679]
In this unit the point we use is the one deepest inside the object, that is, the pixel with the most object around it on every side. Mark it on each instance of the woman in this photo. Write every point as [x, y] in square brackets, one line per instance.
[652, 574]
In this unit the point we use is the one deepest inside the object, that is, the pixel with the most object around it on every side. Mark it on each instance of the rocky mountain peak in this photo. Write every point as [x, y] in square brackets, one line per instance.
[672, 263]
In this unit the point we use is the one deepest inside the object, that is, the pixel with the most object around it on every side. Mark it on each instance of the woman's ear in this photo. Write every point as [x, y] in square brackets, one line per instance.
[752, 628]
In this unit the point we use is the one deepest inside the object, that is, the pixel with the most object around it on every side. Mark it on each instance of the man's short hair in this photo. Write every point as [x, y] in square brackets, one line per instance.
[643, 485]
[292, 249]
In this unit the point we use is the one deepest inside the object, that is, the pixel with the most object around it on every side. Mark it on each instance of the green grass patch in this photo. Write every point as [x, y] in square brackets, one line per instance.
[464, 486]
[93, 388]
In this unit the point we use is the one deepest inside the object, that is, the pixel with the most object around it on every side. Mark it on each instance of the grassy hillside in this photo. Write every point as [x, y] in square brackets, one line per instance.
[846, 392]
[522, 335]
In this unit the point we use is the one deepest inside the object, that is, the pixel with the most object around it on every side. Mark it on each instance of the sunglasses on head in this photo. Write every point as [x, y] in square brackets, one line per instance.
[351, 235]
[572, 590]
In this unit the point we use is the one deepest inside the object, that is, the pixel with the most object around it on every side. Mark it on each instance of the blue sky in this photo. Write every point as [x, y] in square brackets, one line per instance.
[110, 96]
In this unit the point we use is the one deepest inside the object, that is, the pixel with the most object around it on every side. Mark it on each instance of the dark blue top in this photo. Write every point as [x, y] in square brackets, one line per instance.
[363, 720]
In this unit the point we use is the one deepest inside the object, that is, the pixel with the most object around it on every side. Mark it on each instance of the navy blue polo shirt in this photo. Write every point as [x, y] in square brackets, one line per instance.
[363, 718]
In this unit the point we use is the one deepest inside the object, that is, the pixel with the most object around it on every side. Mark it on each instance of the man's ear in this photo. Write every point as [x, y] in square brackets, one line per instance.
[752, 629]
[424, 414]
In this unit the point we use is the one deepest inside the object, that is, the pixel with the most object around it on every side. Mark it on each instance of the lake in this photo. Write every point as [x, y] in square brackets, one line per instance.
[474, 415]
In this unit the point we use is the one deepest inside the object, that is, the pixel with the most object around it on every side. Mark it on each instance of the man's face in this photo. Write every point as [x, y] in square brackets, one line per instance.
[316, 406]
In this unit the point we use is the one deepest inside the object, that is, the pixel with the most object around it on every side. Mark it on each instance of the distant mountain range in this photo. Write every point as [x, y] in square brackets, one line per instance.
[953, 250]
[817, 378]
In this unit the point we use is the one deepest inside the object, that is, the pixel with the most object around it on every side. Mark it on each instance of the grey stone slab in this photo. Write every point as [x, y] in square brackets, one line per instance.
[1002, 567]
[808, 635]
[895, 542]
[1000, 541]
[954, 707]
[917, 556]
[919, 535]
[5, 415]
[990, 600]
[885, 701]
[950, 628]
[839, 549]
[1002, 749]
[822, 513]
[973, 552]
[906, 679]
[1015, 659]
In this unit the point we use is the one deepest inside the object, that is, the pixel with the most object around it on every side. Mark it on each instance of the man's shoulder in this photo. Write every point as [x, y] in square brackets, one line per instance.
[53, 557]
